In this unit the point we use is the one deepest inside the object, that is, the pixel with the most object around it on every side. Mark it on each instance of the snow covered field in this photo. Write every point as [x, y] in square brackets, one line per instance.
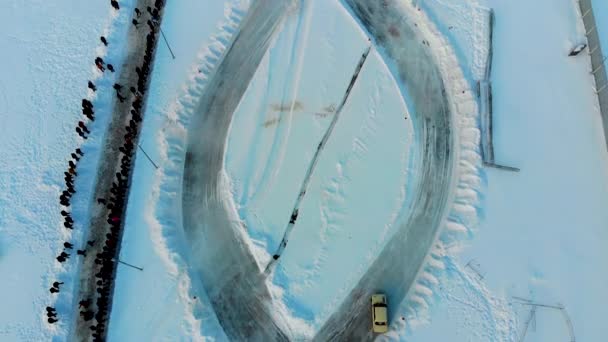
[48, 57]
[538, 234]
[543, 230]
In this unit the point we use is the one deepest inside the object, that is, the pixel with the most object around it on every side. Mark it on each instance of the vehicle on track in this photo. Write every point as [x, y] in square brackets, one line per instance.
[379, 313]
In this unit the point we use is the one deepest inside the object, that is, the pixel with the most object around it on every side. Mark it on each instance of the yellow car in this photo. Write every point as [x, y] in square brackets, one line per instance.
[379, 313]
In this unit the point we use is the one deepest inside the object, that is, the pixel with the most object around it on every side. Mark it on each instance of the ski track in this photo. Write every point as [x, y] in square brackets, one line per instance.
[282, 129]
[248, 189]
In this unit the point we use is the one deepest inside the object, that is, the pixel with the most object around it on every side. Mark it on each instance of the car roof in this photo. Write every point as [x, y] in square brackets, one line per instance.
[380, 314]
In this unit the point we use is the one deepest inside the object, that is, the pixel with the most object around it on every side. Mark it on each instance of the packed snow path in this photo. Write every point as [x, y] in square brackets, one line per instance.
[219, 254]
[110, 164]
[313, 163]
[395, 269]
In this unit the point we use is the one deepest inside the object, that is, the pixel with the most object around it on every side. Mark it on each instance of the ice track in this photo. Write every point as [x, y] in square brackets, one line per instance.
[219, 254]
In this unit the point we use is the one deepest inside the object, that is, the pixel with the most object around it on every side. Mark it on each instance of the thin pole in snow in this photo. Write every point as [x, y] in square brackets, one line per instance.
[150, 159]
[127, 264]
[166, 42]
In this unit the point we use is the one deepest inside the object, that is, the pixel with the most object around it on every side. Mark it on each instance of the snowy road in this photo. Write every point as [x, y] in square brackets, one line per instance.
[219, 256]
[395, 269]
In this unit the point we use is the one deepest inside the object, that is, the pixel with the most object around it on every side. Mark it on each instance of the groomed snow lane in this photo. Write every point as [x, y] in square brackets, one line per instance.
[219, 255]
[395, 269]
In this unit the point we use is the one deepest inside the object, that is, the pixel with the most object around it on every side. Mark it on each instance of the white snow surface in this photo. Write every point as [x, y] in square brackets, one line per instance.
[542, 230]
[541, 234]
[49, 53]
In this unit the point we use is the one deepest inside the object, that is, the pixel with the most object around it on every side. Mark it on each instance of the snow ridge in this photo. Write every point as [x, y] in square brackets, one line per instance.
[164, 214]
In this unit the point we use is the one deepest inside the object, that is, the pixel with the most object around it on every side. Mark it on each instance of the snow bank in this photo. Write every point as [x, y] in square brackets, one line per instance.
[466, 25]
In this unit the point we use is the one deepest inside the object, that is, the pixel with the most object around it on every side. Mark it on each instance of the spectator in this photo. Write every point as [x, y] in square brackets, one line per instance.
[84, 128]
